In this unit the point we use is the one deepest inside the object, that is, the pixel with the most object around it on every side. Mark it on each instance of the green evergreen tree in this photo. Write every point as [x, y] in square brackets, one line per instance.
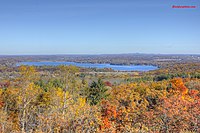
[96, 92]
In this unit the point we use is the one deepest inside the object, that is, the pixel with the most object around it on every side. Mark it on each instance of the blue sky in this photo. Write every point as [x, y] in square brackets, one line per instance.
[98, 27]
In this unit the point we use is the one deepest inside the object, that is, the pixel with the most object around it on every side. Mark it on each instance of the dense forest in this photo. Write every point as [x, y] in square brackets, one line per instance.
[69, 99]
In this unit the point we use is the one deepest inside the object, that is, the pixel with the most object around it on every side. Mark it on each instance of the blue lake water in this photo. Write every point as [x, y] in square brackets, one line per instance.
[96, 65]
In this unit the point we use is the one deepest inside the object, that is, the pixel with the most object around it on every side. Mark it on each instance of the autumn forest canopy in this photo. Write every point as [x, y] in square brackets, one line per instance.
[73, 99]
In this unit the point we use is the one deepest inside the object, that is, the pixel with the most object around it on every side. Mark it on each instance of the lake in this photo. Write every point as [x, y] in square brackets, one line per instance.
[91, 65]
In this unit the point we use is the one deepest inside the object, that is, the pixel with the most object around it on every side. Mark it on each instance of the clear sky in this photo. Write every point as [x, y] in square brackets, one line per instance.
[98, 27]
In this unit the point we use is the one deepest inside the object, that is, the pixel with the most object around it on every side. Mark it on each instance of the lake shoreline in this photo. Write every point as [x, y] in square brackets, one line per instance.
[115, 67]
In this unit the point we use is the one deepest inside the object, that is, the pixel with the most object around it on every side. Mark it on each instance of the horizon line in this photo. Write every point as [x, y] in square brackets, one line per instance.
[99, 54]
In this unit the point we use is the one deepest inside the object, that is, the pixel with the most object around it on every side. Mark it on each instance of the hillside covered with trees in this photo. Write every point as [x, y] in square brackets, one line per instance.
[68, 99]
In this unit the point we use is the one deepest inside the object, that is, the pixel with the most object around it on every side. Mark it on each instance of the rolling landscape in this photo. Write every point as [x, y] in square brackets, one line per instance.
[67, 98]
[103, 66]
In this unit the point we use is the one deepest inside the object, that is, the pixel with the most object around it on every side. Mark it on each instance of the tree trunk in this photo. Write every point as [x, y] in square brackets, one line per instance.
[23, 121]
